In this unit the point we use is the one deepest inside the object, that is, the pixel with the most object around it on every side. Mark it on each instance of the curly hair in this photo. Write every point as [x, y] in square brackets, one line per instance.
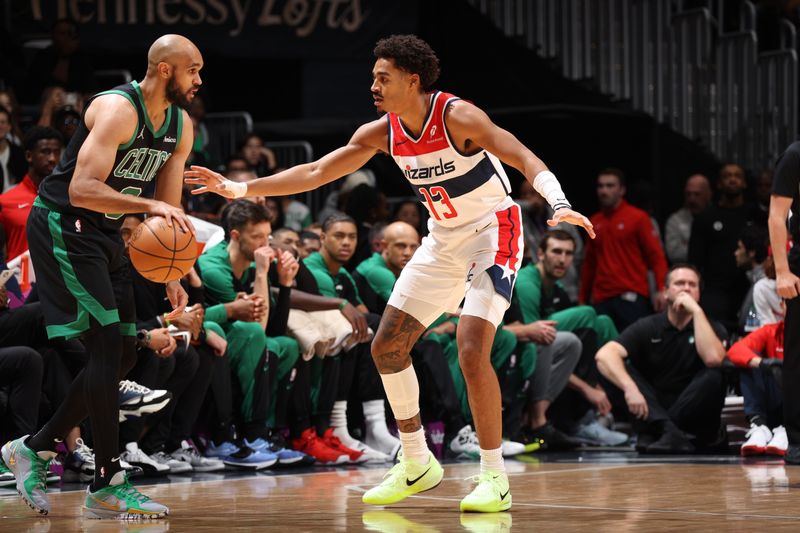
[412, 54]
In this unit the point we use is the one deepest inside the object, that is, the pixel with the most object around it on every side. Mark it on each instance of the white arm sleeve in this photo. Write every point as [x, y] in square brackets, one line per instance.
[548, 186]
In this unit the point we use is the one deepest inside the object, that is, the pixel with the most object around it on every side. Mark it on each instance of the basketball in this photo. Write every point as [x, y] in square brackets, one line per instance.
[161, 253]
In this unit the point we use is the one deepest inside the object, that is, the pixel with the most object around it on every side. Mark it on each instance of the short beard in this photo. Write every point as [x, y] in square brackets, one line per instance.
[175, 96]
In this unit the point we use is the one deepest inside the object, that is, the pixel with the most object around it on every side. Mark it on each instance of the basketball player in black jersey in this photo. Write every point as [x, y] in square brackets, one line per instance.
[127, 137]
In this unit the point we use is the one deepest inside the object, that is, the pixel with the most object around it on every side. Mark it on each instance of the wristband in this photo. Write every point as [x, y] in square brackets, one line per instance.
[548, 186]
[164, 319]
[238, 189]
[343, 304]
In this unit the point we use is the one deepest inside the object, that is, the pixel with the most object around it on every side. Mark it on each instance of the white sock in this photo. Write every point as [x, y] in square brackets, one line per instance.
[492, 460]
[339, 414]
[415, 447]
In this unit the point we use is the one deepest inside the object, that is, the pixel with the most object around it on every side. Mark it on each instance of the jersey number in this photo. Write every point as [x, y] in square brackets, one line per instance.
[433, 194]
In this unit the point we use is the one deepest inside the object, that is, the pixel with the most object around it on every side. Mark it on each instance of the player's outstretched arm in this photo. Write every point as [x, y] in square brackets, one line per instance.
[169, 181]
[112, 121]
[366, 141]
[470, 125]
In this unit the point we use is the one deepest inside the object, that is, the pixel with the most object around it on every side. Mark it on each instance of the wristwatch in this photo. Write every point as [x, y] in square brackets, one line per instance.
[143, 338]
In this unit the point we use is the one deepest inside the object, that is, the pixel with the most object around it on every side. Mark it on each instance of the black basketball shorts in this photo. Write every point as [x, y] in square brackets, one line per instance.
[82, 274]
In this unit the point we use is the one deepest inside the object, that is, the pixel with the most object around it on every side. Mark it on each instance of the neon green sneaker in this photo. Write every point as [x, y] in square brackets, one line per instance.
[122, 501]
[30, 471]
[404, 479]
[6, 476]
[492, 494]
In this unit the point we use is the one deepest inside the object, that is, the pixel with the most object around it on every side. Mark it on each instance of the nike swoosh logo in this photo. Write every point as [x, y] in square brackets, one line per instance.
[503, 496]
[410, 482]
[401, 142]
[21, 206]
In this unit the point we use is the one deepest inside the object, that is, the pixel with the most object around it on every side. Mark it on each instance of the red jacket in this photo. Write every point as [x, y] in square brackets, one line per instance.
[617, 261]
[765, 342]
[15, 205]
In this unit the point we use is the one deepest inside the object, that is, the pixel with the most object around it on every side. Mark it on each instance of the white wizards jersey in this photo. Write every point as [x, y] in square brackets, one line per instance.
[456, 188]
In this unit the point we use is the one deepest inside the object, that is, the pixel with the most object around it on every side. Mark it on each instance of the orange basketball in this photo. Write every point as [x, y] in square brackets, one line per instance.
[161, 253]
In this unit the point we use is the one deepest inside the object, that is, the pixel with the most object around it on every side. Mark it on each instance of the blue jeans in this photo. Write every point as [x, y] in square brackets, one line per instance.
[762, 395]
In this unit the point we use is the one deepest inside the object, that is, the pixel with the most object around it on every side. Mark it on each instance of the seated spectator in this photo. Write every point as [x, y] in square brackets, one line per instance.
[672, 382]
[54, 100]
[367, 206]
[9, 101]
[696, 198]
[540, 296]
[12, 157]
[411, 212]
[66, 120]
[715, 233]
[338, 241]
[62, 63]
[759, 357]
[750, 254]
[337, 199]
[42, 150]
[535, 214]
[768, 304]
[261, 356]
[260, 158]
[307, 244]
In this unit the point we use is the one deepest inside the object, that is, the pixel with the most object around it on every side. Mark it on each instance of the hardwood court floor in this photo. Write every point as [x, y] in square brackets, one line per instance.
[611, 492]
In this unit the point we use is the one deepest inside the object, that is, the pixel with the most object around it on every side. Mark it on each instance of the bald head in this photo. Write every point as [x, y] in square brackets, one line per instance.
[399, 230]
[400, 241]
[174, 63]
[171, 49]
[697, 193]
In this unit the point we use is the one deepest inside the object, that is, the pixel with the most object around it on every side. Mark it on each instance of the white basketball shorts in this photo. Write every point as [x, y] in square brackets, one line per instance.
[476, 263]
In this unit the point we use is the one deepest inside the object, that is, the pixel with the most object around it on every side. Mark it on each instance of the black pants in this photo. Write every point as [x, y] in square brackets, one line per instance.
[176, 374]
[791, 371]
[438, 399]
[21, 375]
[696, 410]
[23, 326]
[624, 312]
[219, 401]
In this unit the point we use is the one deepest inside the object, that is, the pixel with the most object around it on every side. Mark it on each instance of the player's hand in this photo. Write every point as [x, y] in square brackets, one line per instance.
[263, 257]
[246, 307]
[787, 285]
[572, 217]
[169, 349]
[172, 213]
[209, 181]
[159, 339]
[637, 405]
[358, 321]
[543, 331]
[287, 267]
[597, 397]
[685, 301]
[178, 298]
[217, 343]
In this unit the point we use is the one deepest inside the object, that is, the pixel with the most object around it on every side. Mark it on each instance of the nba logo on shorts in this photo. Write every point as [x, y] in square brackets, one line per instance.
[78, 226]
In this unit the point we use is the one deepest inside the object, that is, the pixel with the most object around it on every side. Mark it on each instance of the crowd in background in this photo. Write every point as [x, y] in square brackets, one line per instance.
[631, 339]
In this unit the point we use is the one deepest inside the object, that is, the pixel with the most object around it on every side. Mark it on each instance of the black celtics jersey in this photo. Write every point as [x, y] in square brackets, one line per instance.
[136, 164]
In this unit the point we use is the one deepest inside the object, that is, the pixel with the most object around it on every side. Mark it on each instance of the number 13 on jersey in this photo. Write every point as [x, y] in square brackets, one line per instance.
[437, 193]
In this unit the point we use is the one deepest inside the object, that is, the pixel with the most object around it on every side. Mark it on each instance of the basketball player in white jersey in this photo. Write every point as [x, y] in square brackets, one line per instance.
[450, 151]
